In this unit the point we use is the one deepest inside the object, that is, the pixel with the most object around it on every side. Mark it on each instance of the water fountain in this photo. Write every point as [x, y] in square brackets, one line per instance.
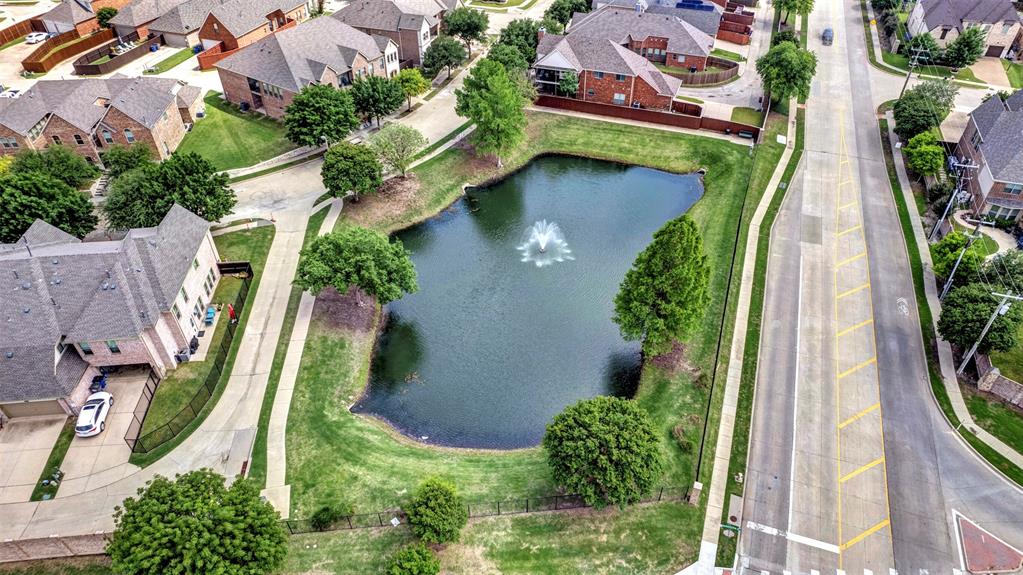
[544, 244]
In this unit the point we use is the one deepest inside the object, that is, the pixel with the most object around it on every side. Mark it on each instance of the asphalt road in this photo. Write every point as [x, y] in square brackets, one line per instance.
[852, 466]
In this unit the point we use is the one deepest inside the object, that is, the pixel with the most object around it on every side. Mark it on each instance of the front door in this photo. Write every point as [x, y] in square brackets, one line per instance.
[995, 51]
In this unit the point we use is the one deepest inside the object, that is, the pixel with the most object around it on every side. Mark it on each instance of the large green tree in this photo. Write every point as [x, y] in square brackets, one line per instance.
[966, 49]
[924, 48]
[467, 24]
[604, 449]
[443, 52]
[142, 197]
[522, 33]
[508, 56]
[561, 11]
[786, 70]
[914, 114]
[799, 7]
[945, 253]
[352, 168]
[397, 145]
[569, 83]
[940, 93]
[30, 196]
[412, 83]
[965, 312]
[1007, 266]
[923, 154]
[120, 159]
[105, 15]
[320, 113]
[60, 162]
[436, 512]
[375, 97]
[361, 258]
[664, 295]
[195, 524]
[494, 103]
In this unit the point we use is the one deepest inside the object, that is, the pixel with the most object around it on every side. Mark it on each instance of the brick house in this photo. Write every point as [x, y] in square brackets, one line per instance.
[138, 15]
[993, 139]
[946, 19]
[411, 24]
[265, 76]
[615, 53]
[706, 16]
[77, 15]
[78, 306]
[235, 24]
[93, 114]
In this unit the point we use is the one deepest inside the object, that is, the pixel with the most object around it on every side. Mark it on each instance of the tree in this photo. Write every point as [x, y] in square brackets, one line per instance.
[561, 11]
[319, 114]
[436, 513]
[884, 5]
[784, 36]
[925, 46]
[352, 168]
[924, 155]
[375, 97]
[1007, 265]
[361, 258]
[120, 159]
[940, 93]
[143, 196]
[800, 7]
[569, 83]
[604, 449]
[59, 162]
[965, 312]
[551, 26]
[966, 49]
[444, 52]
[492, 101]
[415, 559]
[664, 294]
[787, 70]
[195, 524]
[889, 22]
[914, 114]
[327, 515]
[945, 252]
[397, 145]
[104, 15]
[467, 24]
[34, 195]
[412, 83]
[509, 57]
[522, 33]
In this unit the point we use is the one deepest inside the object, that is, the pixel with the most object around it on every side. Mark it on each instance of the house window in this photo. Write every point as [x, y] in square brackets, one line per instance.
[1014, 189]
[1006, 26]
[37, 129]
[619, 77]
[176, 310]
[216, 27]
[975, 140]
[107, 137]
[184, 295]
[9, 142]
[79, 140]
[128, 135]
[86, 348]
[195, 263]
[619, 99]
[211, 275]
[598, 75]
[112, 346]
[944, 32]
[56, 139]
[196, 312]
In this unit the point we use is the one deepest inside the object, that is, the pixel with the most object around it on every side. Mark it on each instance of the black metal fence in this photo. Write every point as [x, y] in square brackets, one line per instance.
[169, 430]
[515, 506]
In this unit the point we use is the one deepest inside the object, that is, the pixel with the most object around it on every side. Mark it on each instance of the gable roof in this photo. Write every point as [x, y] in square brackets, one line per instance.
[138, 12]
[240, 17]
[1001, 128]
[393, 14]
[70, 12]
[584, 52]
[185, 18]
[952, 13]
[296, 57]
[707, 20]
[621, 24]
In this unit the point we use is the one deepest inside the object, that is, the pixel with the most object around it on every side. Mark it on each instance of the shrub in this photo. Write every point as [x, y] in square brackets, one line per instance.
[326, 516]
[416, 559]
[436, 513]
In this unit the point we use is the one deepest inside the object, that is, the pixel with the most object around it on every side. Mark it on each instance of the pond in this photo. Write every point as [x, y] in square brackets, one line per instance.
[492, 346]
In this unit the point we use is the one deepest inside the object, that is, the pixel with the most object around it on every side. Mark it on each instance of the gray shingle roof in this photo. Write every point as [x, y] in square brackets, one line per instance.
[85, 291]
[293, 58]
[938, 13]
[186, 17]
[1001, 128]
[141, 11]
[70, 13]
[708, 21]
[602, 55]
[621, 24]
[240, 17]
[392, 14]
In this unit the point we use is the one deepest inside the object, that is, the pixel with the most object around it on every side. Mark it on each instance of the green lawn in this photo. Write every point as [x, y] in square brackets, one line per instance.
[374, 468]
[180, 385]
[902, 62]
[727, 55]
[1015, 73]
[689, 99]
[986, 245]
[1000, 420]
[80, 566]
[746, 116]
[54, 461]
[231, 139]
[1010, 363]
[170, 61]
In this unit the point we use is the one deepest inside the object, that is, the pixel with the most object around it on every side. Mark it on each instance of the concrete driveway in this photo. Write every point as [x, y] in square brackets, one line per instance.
[93, 462]
[990, 70]
[25, 444]
[10, 66]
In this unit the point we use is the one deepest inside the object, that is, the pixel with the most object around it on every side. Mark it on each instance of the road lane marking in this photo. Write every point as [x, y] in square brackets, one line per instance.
[849, 205]
[795, 385]
[856, 368]
[851, 259]
[861, 469]
[859, 415]
[850, 230]
[793, 537]
[849, 292]
[853, 328]
[865, 534]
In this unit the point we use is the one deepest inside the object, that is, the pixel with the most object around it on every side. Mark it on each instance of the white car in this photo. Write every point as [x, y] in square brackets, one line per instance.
[36, 37]
[12, 93]
[92, 418]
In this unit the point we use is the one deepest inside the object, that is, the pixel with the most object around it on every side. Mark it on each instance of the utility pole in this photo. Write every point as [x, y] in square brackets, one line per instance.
[973, 237]
[913, 64]
[963, 175]
[1002, 309]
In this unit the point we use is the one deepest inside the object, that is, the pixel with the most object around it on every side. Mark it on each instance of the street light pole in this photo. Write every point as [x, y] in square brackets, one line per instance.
[1002, 309]
[948, 283]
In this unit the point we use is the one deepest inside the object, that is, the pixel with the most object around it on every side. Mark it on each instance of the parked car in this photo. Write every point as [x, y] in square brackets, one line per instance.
[36, 37]
[828, 36]
[92, 419]
[11, 93]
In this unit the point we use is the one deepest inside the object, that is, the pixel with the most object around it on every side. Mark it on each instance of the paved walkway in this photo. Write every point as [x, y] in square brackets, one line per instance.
[945, 358]
[703, 133]
[1005, 241]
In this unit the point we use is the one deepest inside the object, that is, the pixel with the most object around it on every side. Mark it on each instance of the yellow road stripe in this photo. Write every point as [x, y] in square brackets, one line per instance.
[851, 329]
[852, 291]
[850, 260]
[850, 230]
[865, 534]
[866, 467]
[849, 205]
[845, 182]
[857, 368]
[859, 415]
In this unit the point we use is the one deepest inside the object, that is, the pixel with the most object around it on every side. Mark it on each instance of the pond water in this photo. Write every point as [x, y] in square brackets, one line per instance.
[492, 347]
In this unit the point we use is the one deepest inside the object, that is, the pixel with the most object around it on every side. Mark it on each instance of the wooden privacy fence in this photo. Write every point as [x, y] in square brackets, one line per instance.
[84, 65]
[730, 70]
[50, 53]
[23, 28]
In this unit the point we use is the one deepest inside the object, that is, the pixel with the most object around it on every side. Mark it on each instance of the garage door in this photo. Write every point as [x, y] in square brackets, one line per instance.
[995, 51]
[32, 408]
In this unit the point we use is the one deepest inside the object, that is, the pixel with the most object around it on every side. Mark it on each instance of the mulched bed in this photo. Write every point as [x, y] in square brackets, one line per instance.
[353, 311]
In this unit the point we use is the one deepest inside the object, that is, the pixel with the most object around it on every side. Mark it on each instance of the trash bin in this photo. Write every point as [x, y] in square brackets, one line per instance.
[154, 47]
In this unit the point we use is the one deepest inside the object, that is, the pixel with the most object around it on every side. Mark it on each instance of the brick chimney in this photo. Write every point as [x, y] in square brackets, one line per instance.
[540, 34]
